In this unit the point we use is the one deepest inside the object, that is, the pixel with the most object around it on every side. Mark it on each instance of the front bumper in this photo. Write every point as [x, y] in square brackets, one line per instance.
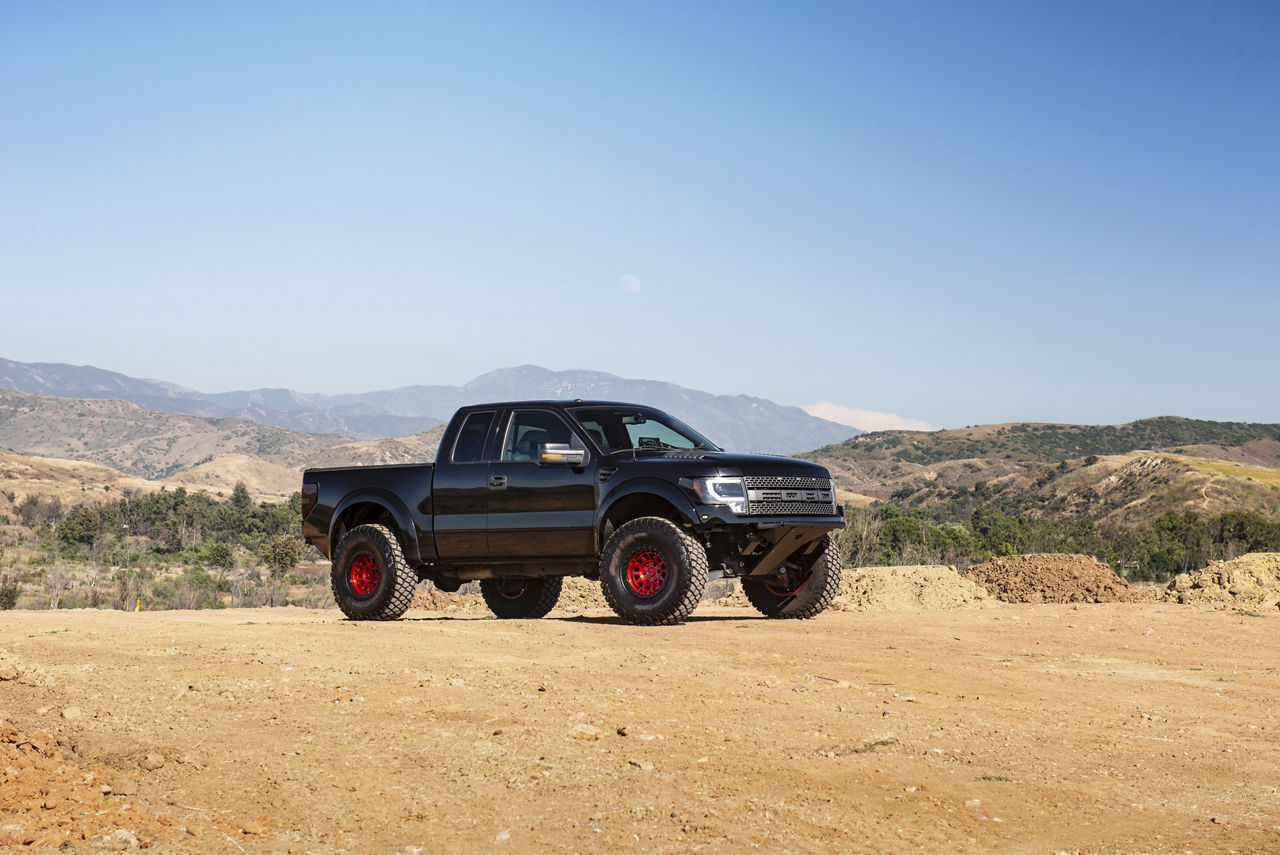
[759, 545]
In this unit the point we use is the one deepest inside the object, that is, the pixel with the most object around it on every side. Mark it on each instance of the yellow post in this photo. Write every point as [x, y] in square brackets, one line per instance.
[138, 607]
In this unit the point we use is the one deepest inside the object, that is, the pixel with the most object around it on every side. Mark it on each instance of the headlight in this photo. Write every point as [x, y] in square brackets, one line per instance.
[722, 491]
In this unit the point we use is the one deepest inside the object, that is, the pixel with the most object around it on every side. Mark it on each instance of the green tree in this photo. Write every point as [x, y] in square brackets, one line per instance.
[221, 556]
[281, 554]
[80, 526]
[240, 498]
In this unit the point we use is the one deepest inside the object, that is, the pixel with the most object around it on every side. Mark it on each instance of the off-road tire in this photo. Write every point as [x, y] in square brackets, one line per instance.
[530, 598]
[652, 572]
[371, 579]
[813, 595]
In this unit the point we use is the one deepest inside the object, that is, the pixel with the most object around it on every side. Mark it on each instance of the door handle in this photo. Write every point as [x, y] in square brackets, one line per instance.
[497, 482]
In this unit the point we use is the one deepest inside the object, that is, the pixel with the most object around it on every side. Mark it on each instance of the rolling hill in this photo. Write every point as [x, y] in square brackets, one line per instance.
[141, 442]
[418, 448]
[1127, 473]
[75, 481]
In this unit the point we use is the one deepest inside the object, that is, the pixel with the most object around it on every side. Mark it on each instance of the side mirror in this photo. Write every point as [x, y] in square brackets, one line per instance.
[561, 454]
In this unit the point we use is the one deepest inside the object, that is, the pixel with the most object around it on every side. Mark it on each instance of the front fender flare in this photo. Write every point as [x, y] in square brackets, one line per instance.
[664, 490]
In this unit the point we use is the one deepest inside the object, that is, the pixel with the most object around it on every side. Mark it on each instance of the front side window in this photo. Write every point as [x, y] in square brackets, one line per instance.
[622, 429]
[469, 446]
[530, 429]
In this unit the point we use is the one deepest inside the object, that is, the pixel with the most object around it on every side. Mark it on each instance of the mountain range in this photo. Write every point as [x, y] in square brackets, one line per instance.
[1131, 473]
[738, 422]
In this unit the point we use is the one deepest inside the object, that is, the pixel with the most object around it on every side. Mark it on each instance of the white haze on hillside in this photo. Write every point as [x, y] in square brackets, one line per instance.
[868, 420]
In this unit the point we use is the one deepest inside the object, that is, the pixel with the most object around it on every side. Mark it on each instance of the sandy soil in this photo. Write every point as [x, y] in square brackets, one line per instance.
[1118, 727]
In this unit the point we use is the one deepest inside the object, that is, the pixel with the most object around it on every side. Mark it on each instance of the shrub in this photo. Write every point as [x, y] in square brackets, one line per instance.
[281, 554]
[9, 590]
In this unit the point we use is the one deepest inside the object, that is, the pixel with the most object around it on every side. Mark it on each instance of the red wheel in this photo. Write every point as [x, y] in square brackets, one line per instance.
[646, 572]
[370, 577]
[363, 574]
[653, 572]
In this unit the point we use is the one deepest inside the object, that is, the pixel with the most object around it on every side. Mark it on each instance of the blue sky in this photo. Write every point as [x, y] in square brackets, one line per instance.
[951, 213]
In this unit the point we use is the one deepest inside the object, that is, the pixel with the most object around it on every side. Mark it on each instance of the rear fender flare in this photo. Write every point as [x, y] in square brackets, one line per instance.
[406, 531]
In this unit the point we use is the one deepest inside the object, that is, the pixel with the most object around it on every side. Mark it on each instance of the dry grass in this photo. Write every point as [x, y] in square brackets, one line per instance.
[76, 481]
[1231, 469]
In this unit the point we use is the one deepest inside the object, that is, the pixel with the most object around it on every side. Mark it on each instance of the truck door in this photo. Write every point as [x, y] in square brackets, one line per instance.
[460, 490]
[536, 509]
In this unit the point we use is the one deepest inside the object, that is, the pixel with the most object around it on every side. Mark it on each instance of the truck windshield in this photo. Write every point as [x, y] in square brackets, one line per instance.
[625, 428]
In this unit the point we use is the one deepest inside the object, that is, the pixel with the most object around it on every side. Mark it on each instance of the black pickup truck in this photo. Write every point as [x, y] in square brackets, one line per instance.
[525, 493]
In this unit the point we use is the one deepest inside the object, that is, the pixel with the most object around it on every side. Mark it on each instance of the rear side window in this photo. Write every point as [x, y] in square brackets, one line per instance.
[469, 446]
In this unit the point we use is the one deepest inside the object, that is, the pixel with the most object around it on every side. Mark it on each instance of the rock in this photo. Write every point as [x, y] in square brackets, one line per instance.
[642, 765]
[119, 840]
[253, 826]
[585, 732]
[73, 714]
[152, 762]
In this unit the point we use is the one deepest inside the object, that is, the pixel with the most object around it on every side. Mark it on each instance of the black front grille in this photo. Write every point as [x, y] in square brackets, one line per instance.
[789, 495]
[778, 509]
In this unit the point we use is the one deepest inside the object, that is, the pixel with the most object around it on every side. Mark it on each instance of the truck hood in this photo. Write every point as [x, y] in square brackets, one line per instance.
[698, 462]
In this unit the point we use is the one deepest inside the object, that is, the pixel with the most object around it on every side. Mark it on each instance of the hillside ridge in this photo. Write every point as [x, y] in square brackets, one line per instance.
[1133, 472]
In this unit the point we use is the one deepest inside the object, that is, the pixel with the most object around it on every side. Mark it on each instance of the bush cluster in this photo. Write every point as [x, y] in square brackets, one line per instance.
[170, 549]
[1174, 543]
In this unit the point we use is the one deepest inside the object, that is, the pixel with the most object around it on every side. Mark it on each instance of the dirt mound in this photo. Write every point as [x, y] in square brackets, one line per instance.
[734, 599]
[430, 600]
[1051, 578]
[895, 589]
[908, 589]
[578, 595]
[1251, 580]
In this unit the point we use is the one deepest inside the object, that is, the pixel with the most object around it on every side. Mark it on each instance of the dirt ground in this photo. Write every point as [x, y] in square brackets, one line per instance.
[1116, 727]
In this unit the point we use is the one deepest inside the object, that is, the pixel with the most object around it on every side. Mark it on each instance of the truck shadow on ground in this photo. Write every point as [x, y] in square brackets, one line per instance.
[615, 620]
[600, 620]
